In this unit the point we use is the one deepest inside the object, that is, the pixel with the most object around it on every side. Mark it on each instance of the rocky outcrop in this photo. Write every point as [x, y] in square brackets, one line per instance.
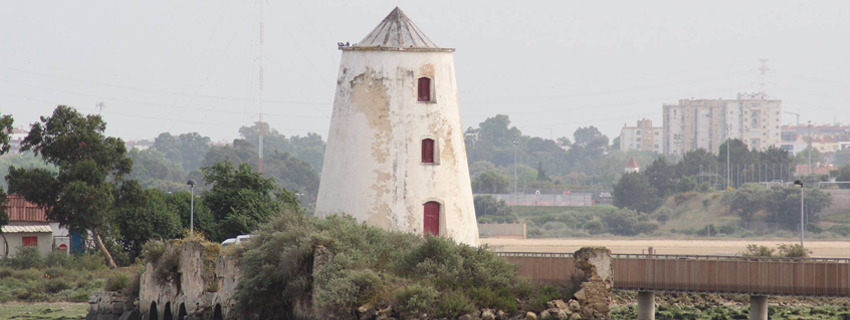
[111, 305]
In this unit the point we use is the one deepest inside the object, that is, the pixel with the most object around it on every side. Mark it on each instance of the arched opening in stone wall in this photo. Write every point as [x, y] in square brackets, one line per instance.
[181, 314]
[166, 315]
[217, 315]
[153, 314]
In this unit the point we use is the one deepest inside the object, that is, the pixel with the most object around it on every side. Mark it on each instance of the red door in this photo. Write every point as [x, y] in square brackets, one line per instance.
[432, 218]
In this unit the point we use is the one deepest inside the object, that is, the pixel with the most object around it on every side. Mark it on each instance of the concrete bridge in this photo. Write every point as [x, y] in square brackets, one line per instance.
[651, 273]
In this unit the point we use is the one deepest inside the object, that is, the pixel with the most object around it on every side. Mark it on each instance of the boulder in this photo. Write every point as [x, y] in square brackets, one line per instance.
[530, 316]
[487, 314]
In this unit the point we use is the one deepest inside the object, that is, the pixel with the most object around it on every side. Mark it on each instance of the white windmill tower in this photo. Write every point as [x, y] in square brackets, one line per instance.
[395, 155]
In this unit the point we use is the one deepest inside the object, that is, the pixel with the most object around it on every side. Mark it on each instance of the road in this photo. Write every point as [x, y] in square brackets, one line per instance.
[832, 249]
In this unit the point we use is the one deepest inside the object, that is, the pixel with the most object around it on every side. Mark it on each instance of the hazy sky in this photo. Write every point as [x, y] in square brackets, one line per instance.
[552, 66]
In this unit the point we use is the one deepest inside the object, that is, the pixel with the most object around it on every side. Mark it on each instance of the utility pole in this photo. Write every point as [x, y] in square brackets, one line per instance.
[260, 94]
[810, 149]
[516, 195]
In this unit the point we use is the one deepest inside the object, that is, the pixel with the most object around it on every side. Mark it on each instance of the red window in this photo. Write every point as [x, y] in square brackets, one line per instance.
[30, 241]
[424, 89]
[432, 218]
[428, 151]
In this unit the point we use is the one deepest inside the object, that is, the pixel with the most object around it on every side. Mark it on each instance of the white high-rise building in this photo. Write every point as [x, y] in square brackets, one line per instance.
[395, 156]
[707, 123]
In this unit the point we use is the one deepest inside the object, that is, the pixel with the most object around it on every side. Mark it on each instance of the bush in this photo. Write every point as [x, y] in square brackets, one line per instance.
[757, 251]
[793, 251]
[415, 299]
[117, 282]
[371, 266]
[25, 258]
[345, 293]
[453, 305]
[59, 258]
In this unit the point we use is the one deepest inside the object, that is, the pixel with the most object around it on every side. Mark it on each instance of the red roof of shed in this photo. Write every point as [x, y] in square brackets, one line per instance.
[21, 210]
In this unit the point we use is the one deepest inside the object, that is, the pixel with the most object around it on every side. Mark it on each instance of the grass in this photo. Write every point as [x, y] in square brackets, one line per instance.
[43, 310]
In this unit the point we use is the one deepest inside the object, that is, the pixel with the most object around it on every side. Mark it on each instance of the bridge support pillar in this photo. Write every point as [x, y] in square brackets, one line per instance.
[646, 305]
[758, 307]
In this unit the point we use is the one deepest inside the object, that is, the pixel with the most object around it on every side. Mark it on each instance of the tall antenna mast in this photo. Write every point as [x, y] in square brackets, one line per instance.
[763, 69]
[260, 95]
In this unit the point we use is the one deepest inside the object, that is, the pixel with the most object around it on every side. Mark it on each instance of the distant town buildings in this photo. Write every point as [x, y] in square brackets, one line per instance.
[632, 166]
[708, 123]
[824, 138]
[643, 137]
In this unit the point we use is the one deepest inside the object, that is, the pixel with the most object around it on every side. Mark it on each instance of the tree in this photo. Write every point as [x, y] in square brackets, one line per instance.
[490, 182]
[662, 177]
[843, 174]
[747, 200]
[187, 149]
[633, 191]
[143, 215]
[783, 204]
[240, 199]
[91, 165]
[490, 206]
[802, 157]
[6, 122]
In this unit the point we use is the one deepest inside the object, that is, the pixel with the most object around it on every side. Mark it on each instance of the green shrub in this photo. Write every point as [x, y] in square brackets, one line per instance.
[343, 294]
[168, 265]
[118, 281]
[500, 299]
[58, 259]
[842, 229]
[415, 299]
[754, 250]
[453, 304]
[88, 261]
[793, 251]
[153, 250]
[25, 258]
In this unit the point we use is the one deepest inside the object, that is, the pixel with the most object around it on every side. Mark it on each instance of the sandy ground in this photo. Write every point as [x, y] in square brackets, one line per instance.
[832, 249]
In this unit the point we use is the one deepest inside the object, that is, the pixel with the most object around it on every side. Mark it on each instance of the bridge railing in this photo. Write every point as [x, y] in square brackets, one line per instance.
[700, 273]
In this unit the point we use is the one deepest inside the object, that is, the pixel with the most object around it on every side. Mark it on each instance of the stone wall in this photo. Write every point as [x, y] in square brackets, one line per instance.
[111, 305]
[190, 296]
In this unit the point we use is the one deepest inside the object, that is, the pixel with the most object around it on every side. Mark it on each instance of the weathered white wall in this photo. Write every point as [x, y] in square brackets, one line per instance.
[15, 240]
[372, 168]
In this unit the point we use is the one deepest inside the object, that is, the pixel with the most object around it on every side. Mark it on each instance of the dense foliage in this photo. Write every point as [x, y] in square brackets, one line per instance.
[240, 199]
[91, 169]
[373, 267]
[700, 170]
[60, 277]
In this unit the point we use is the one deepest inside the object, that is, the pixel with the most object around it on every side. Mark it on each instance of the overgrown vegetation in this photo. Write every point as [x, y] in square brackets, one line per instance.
[374, 267]
[60, 277]
[783, 250]
[164, 255]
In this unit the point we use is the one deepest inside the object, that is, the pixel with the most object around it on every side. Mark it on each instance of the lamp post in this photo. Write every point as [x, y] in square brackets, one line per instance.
[802, 204]
[191, 184]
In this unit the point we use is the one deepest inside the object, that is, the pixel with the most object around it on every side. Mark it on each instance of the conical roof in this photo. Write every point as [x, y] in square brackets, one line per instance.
[632, 163]
[397, 32]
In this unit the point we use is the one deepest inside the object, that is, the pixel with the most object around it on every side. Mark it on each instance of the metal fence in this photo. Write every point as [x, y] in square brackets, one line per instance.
[694, 273]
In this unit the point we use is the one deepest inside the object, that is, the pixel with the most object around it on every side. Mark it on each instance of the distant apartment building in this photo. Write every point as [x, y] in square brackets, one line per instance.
[643, 137]
[707, 123]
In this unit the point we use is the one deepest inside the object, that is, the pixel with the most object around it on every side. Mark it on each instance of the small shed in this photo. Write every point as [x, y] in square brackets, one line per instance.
[37, 236]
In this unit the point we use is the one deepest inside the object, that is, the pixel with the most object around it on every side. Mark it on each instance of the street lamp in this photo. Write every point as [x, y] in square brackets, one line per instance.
[799, 183]
[191, 184]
